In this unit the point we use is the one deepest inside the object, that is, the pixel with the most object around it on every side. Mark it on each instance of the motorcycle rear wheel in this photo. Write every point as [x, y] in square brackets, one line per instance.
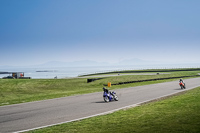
[116, 98]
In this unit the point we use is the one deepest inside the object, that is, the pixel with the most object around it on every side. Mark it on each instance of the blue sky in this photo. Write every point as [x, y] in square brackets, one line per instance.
[38, 31]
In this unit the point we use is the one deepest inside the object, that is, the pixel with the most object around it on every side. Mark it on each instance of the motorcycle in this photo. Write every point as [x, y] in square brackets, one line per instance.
[182, 85]
[109, 96]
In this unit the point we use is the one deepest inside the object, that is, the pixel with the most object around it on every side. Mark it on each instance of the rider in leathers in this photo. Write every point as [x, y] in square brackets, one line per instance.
[107, 91]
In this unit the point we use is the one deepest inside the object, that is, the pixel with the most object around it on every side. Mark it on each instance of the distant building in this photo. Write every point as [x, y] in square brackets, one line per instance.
[15, 75]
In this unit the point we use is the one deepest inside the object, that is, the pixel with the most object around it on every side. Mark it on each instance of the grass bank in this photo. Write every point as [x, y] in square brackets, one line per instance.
[14, 91]
[179, 114]
[144, 71]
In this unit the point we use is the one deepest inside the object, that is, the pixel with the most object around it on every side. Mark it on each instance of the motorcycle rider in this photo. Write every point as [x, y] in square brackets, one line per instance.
[181, 81]
[107, 91]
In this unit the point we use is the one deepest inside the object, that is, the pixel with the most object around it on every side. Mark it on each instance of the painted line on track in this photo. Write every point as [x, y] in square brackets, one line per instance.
[108, 112]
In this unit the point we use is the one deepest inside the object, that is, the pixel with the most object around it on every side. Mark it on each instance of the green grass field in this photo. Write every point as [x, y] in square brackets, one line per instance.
[177, 114]
[14, 91]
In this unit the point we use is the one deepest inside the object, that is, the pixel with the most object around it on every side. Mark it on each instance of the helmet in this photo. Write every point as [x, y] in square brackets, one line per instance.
[104, 88]
[181, 80]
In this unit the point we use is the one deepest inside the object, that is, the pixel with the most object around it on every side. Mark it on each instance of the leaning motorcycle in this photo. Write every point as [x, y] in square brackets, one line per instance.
[110, 96]
[182, 85]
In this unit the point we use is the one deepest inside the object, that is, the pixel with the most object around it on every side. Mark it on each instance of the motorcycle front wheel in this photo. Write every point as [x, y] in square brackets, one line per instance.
[106, 99]
[181, 87]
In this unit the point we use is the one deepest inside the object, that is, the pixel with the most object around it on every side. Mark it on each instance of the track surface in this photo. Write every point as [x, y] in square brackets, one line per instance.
[20, 117]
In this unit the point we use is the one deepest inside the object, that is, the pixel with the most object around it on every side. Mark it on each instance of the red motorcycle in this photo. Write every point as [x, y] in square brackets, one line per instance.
[182, 85]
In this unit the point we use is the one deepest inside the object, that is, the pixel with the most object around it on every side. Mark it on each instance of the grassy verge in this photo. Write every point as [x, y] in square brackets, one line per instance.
[176, 114]
[14, 91]
[145, 71]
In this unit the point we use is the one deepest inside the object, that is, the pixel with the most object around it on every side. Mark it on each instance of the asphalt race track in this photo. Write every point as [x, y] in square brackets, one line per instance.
[33, 115]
